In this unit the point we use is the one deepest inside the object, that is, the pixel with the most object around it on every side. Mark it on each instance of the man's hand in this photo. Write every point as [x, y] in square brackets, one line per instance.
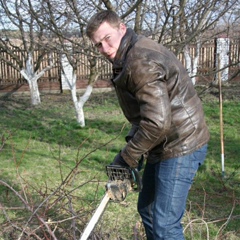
[118, 160]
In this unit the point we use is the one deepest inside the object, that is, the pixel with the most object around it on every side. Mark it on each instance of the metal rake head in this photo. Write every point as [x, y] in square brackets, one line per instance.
[118, 173]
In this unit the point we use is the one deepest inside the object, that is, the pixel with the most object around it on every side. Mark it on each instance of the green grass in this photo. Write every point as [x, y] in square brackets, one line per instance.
[42, 148]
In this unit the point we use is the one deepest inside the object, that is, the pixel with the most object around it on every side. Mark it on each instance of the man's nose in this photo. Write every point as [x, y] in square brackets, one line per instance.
[105, 47]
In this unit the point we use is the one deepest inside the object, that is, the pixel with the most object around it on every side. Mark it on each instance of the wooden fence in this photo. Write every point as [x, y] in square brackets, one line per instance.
[11, 79]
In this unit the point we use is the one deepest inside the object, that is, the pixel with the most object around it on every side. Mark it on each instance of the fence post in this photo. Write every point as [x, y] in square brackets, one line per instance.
[222, 61]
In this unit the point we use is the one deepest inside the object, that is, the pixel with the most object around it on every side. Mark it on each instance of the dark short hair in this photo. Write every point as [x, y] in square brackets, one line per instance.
[97, 19]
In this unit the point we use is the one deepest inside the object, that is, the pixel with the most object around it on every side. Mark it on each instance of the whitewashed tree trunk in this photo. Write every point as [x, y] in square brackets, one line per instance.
[32, 78]
[34, 92]
[78, 103]
[192, 61]
[69, 78]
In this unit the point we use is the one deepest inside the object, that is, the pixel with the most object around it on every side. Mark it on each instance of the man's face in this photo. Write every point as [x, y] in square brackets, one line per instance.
[107, 39]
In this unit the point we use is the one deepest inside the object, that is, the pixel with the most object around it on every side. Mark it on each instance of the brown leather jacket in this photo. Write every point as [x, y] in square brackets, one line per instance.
[158, 99]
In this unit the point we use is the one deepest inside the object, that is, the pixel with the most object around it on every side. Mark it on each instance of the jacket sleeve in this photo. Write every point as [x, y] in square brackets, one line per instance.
[150, 90]
[131, 133]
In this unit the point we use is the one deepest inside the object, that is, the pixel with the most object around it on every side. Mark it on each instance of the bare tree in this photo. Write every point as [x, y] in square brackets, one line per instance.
[180, 24]
[64, 19]
[21, 32]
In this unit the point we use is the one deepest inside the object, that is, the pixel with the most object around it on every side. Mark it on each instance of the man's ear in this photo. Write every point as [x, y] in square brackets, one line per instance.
[123, 28]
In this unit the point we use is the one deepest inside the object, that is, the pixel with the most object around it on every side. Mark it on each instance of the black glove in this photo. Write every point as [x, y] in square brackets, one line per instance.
[118, 160]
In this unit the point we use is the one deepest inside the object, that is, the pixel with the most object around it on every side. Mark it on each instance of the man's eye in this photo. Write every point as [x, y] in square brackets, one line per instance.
[98, 45]
[107, 38]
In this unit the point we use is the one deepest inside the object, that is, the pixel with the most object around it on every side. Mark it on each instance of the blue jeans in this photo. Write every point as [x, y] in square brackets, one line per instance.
[162, 201]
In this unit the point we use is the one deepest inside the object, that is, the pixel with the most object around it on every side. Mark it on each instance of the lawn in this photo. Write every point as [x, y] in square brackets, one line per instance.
[53, 171]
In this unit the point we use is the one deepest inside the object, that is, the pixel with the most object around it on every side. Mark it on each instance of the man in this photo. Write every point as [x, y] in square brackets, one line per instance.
[159, 100]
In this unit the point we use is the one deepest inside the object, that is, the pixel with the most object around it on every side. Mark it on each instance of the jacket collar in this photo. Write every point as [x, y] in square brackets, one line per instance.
[126, 44]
